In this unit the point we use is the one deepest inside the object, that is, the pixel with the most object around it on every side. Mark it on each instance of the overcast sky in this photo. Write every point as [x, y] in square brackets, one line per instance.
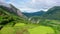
[33, 5]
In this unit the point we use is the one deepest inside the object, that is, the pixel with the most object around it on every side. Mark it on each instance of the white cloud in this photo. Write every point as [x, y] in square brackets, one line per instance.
[2, 0]
[31, 10]
[42, 3]
[34, 5]
[28, 10]
[33, 1]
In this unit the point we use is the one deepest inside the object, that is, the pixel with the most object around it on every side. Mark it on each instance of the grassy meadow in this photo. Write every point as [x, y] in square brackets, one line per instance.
[22, 28]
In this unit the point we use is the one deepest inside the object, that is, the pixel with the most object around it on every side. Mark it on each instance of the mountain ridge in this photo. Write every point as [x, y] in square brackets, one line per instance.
[39, 13]
[53, 13]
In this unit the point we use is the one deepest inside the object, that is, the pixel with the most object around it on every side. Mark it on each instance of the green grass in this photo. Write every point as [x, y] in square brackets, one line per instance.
[7, 30]
[20, 24]
[29, 28]
[41, 30]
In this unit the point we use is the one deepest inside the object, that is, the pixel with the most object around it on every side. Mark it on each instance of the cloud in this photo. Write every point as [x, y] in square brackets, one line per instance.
[28, 10]
[2, 0]
[34, 5]
[41, 4]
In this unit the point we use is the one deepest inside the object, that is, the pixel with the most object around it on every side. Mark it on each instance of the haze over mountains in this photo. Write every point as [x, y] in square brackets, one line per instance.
[38, 13]
[11, 8]
[4, 4]
[54, 11]
[10, 14]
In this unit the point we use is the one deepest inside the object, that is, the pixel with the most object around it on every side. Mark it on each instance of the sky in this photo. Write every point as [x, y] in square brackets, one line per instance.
[33, 5]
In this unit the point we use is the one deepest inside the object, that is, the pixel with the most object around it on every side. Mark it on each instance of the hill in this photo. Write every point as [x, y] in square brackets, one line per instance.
[53, 13]
[12, 9]
[10, 15]
[39, 13]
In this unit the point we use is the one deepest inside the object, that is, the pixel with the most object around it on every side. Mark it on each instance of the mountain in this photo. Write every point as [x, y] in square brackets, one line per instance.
[52, 13]
[12, 10]
[10, 15]
[39, 13]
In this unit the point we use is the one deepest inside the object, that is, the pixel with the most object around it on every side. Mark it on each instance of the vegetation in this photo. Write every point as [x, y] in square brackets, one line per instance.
[52, 13]
[7, 18]
[39, 13]
[11, 23]
[51, 18]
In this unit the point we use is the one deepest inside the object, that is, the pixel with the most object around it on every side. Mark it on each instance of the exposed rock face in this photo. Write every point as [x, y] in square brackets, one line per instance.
[19, 13]
[11, 9]
[16, 11]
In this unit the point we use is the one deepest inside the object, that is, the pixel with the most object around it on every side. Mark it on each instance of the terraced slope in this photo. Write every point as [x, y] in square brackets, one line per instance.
[21, 28]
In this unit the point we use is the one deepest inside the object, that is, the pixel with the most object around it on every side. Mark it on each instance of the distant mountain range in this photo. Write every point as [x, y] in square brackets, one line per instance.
[38, 13]
[10, 14]
[52, 14]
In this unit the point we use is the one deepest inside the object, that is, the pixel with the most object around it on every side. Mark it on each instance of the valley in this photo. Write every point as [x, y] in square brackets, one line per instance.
[13, 21]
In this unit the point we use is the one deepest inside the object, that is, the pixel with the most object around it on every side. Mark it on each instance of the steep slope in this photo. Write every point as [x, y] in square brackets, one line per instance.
[39, 13]
[16, 11]
[53, 13]
[10, 15]
[12, 10]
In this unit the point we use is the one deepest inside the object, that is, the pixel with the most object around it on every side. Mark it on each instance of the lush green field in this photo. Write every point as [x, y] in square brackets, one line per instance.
[21, 28]
[41, 30]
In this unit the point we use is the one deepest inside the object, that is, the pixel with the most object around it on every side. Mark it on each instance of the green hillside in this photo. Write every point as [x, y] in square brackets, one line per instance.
[12, 22]
[7, 17]
[51, 18]
[53, 13]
